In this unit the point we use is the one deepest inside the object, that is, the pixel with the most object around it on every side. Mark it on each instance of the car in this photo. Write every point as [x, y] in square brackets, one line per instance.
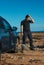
[7, 37]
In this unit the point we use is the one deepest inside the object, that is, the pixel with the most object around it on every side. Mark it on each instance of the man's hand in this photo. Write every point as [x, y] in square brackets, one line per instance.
[21, 33]
[32, 19]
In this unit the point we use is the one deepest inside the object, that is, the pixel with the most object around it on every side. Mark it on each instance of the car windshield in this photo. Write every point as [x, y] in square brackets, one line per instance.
[6, 24]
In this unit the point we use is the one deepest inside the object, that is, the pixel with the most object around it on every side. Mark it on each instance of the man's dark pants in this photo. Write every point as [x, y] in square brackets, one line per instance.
[29, 35]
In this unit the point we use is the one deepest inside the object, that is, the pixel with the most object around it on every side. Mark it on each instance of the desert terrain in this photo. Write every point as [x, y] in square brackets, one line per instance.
[28, 57]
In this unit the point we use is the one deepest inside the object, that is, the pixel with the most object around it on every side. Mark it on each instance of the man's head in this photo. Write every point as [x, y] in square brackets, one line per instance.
[27, 17]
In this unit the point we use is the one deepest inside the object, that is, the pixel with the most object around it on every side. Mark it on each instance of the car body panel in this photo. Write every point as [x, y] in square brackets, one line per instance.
[7, 37]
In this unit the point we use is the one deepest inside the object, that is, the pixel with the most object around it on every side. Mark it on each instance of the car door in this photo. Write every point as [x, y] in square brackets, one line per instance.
[5, 35]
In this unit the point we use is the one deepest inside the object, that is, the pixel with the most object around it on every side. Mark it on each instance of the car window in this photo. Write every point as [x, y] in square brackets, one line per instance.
[1, 28]
[1, 25]
[6, 24]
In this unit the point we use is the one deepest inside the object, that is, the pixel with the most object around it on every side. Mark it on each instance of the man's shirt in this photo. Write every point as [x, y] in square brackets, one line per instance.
[26, 25]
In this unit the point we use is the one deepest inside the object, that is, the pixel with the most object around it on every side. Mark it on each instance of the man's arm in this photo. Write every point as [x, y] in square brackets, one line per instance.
[21, 28]
[31, 19]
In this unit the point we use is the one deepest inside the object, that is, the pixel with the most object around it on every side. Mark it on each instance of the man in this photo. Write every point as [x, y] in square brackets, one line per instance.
[25, 29]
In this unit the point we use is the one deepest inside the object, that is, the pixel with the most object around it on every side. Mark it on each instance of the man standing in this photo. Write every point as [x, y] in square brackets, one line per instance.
[25, 29]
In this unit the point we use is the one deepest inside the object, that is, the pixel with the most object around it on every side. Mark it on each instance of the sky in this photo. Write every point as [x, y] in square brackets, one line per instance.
[14, 11]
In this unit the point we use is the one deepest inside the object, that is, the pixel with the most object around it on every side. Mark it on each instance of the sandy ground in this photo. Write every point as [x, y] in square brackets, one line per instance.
[29, 57]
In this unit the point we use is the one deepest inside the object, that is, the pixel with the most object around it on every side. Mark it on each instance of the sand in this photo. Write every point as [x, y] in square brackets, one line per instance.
[29, 57]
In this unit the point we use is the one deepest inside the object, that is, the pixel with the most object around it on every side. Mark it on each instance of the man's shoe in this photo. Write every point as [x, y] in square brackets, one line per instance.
[32, 48]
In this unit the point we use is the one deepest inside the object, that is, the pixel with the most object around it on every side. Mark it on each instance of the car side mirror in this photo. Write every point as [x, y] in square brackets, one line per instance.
[14, 28]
